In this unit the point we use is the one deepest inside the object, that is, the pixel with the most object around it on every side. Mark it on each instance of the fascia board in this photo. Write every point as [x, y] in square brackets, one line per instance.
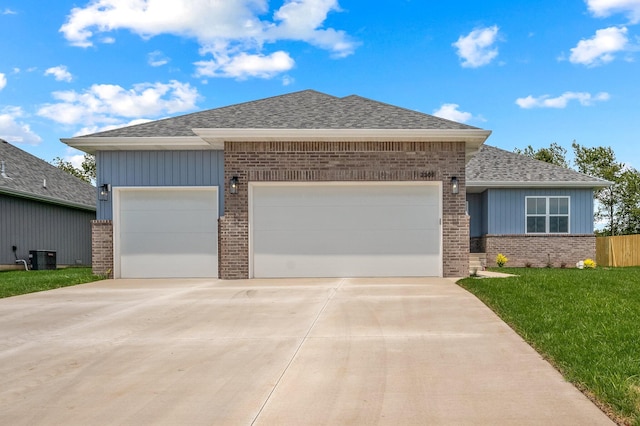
[537, 184]
[92, 144]
[49, 200]
[473, 136]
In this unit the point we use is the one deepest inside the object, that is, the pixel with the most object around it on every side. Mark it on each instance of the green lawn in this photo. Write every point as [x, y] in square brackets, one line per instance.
[13, 283]
[585, 322]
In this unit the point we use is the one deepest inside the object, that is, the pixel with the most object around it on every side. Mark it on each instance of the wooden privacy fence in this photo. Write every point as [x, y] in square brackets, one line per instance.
[623, 250]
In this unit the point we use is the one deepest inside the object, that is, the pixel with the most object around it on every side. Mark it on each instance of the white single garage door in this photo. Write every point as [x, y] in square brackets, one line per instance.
[345, 229]
[166, 232]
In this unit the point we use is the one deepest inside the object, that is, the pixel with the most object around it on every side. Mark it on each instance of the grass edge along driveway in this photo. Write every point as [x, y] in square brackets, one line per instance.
[14, 283]
[585, 322]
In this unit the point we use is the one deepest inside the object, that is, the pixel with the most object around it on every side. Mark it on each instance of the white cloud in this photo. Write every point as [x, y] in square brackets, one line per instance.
[157, 59]
[8, 11]
[3, 81]
[600, 48]
[14, 130]
[106, 104]
[451, 112]
[546, 101]
[477, 48]
[60, 73]
[234, 32]
[288, 80]
[244, 65]
[604, 8]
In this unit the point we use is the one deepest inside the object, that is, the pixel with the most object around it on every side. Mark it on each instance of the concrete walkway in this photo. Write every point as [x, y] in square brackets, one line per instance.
[277, 352]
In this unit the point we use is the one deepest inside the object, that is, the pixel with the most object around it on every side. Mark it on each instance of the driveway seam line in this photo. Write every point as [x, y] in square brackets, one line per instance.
[304, 339]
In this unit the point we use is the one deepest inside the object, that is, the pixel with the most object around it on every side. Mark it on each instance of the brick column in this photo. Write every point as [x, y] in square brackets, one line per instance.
[102, 247]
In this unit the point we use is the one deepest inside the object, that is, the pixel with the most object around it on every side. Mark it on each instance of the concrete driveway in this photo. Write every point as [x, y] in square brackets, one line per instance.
[276, 352]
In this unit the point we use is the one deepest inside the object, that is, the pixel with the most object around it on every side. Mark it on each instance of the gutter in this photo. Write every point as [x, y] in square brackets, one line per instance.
[46, 199]
[538, 184]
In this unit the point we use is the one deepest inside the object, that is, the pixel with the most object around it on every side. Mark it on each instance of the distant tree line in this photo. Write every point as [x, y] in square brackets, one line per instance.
[619, 204]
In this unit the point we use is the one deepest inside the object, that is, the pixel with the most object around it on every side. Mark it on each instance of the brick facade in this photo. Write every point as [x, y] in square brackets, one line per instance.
[102, 247]
[540, 250]
[342, 161]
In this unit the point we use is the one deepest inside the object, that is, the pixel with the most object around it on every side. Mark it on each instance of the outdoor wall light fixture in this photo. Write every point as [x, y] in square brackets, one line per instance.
[455, 187]
[233, 185]
[105, 189]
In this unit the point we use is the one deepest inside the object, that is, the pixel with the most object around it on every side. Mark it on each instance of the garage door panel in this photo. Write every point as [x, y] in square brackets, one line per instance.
[346, 265]
[282, 195]
[365, 217]
[324, 229]
[378, 242]
[168, 221]
[168, 244]
[168, 232]
[178, 199]
[200, 266]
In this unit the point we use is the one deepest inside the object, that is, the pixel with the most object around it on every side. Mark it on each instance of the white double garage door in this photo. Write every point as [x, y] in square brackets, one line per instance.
[295, 230]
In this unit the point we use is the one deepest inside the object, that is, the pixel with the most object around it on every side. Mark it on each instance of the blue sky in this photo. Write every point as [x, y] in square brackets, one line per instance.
[532, 72]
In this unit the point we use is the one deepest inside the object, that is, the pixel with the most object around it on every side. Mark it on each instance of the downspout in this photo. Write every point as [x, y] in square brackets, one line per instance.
[14, 248]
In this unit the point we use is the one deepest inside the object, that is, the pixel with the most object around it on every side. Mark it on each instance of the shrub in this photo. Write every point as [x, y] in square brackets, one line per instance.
[501, 259]
[590, 264]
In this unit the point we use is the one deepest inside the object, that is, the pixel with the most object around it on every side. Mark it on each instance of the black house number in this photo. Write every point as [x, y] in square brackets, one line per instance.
[430, 174]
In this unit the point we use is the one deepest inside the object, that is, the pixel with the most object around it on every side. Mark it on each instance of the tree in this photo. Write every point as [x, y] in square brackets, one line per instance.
[86, 171]
[555, 154]
[620, 202]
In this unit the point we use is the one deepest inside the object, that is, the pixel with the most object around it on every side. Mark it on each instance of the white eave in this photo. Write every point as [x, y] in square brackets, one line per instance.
[208, 138]
[481, 185]
[92, 144]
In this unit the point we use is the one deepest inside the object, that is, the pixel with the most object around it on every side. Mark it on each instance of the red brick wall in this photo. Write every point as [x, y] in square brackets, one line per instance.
[342, 161]
[102, 247]
[538, 250]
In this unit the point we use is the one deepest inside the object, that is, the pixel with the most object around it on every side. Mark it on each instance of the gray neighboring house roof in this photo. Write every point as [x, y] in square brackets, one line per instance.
[25, 175]
[493, 167]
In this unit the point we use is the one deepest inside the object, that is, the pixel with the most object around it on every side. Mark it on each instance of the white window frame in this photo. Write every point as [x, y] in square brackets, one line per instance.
[547, 215]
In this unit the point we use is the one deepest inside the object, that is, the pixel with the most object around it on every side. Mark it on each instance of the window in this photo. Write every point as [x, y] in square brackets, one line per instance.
[547, 215]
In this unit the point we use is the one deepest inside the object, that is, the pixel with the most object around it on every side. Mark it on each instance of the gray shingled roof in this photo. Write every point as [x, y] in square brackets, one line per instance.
[24, 176]
[493, 166]
[307, 109]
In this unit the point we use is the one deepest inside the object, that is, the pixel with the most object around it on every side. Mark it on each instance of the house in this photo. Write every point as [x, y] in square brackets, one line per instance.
[535, 213]
[42, 208]
[299, 185]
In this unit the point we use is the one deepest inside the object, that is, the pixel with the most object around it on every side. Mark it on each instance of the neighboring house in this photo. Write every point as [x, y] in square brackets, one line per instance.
[535, 213]
[299, 185]
[42, 208]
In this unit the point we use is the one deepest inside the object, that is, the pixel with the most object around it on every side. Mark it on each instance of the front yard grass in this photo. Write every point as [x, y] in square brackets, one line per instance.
[585, 322]
[13, 283]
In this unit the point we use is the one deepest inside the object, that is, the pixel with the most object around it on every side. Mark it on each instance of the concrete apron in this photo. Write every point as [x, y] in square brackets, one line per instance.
[273, 352]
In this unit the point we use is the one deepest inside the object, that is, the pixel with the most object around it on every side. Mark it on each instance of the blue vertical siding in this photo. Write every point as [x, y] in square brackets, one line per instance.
[159, 168]
[34, 225]
[506, 209]
[476, 214]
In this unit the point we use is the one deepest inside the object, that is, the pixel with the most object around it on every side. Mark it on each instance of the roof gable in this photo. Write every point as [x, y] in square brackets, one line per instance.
[28, 176]
[307, 109]
[497, 168]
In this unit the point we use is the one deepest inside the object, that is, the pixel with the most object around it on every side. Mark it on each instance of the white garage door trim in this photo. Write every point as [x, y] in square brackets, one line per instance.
[253, 186]
[212, 258]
